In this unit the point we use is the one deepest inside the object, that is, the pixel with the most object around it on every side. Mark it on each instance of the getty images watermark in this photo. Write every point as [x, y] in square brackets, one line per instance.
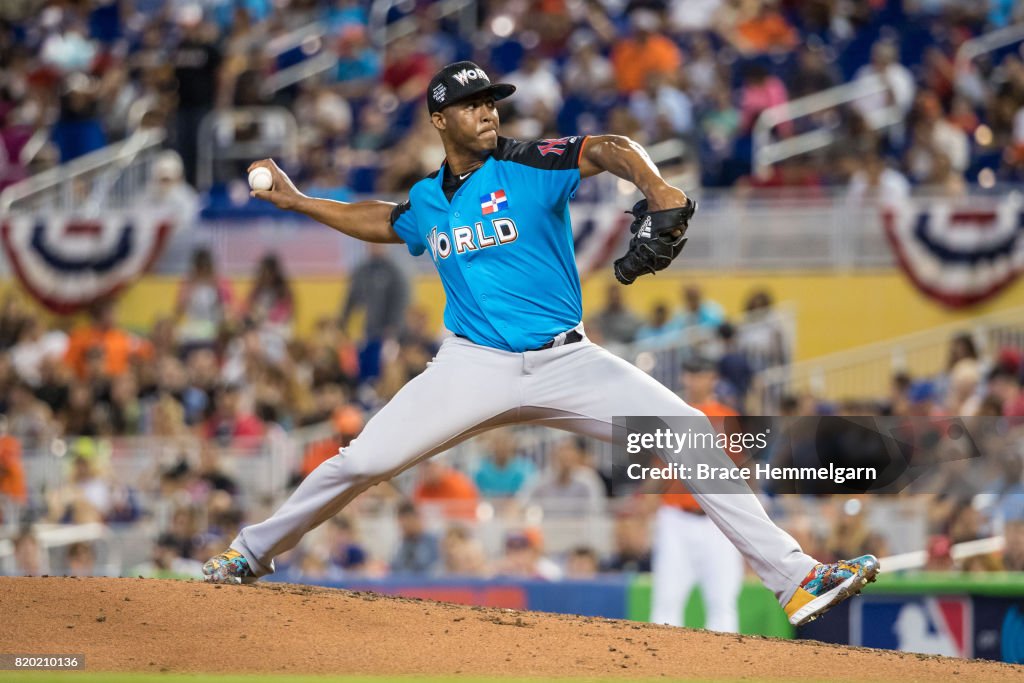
[808, 455]
[664, 440]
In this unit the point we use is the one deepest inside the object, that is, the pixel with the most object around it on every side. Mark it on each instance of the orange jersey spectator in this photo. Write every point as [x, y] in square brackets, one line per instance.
[454, 490]
[677, 496]
[643, 53]
[317, 453]
[12, 472]
[117, 345]
[766, 32]
[347, 422]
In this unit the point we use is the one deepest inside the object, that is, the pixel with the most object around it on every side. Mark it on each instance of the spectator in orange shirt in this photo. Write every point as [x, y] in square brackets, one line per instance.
[700, 377]
[700, 381]
[12, 471]
[346, 422]
[644, 52]
[453, 490]
[118, 346]
[762, 29]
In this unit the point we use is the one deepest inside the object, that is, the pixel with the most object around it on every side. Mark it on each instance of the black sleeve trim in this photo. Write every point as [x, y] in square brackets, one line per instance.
[556, 154]
[399, 209]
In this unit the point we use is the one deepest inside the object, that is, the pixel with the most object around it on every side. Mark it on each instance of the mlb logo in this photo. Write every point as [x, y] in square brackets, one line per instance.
[493, 202]
[926, 625]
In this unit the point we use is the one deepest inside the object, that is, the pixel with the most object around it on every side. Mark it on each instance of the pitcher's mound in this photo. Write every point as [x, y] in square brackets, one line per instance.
[151, 625]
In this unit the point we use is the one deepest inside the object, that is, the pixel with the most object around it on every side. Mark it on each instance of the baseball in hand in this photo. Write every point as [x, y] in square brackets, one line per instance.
[260, 179]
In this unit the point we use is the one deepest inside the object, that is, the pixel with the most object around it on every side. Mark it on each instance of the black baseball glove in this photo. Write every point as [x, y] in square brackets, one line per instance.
[658, 237]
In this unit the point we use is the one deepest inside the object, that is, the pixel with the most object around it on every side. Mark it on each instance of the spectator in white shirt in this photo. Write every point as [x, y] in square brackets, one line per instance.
[538, 92]
[875, 181]
[898, 77]
[36, 345]
[694, 15]
[587, 71]
[568, 487]
[933, 137]
[662, 109]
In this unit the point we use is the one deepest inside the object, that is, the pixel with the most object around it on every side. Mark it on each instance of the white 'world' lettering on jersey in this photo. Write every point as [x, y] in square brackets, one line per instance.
[470, 238]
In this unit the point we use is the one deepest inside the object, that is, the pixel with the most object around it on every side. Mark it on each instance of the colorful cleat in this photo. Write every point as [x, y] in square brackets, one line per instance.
[228, 567]
[827, 585]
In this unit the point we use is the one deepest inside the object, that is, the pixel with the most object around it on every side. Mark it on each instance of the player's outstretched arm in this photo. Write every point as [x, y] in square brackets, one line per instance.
[368, 220]
[626, 159]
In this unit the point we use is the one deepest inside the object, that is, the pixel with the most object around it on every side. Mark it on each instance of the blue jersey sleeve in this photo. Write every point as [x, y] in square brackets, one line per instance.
[403, 220]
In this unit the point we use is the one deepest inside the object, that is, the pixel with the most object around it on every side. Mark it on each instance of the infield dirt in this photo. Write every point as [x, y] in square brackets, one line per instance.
[151, 625]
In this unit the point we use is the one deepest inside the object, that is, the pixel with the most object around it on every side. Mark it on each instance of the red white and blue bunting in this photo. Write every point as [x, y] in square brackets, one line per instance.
[68, 264]
[958, 256]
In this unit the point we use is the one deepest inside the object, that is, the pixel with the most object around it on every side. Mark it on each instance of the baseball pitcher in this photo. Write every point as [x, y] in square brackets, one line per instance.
[495, 220]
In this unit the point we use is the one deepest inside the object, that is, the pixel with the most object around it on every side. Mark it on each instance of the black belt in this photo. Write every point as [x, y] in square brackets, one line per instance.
[571, 337]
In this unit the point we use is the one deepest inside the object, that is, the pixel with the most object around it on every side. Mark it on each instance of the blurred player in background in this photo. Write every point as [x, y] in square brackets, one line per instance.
[689, 550]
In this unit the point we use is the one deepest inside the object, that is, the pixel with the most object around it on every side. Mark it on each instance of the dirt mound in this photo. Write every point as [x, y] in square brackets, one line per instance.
[150, 625]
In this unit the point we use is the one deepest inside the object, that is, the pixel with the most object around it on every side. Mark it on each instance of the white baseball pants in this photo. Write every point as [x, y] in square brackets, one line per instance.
[689, 551]
[468, 389]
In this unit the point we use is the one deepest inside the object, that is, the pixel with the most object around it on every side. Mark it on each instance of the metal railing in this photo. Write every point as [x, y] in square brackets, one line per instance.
[918, 559]
[112, 177]
[973, 48]
[902, 521]
[312, 38]
[767, 152]
[36, 144]
[790, 230]
[10, 515]
[55, 536]
[733, 233]
[383, 33]
[663, 357]
[866, 371]
[304, 70]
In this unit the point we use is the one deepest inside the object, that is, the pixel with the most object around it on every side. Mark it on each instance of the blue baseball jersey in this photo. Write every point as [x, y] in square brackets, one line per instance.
[503, 244]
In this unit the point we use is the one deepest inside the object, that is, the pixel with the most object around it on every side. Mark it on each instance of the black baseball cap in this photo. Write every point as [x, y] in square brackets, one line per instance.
[459, 81]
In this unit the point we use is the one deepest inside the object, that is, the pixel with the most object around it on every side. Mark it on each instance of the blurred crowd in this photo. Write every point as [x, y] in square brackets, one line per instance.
[79, 74]
[223, 366]
[229, 366]
[220, 379]
[226, 372]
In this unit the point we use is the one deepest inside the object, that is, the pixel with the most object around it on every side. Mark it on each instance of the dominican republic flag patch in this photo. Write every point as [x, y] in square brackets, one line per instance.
[493, 202]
